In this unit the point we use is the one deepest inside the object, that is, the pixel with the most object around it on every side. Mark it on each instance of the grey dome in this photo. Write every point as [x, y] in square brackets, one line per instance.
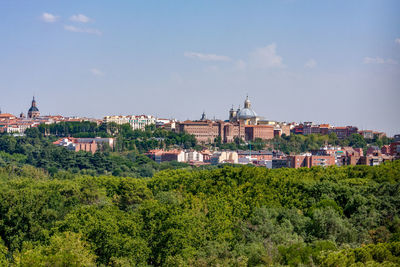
[246, 113]
[33, 109]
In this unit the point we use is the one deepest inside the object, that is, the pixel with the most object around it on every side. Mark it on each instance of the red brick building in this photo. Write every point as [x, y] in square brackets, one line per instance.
[395, 148]
[298, 161]
[264, 132]
[85, 144]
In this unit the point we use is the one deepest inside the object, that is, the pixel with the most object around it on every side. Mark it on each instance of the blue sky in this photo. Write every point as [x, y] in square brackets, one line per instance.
[336, 62]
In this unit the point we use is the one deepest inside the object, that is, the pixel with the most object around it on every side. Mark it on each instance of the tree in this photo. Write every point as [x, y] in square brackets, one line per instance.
[65, 249]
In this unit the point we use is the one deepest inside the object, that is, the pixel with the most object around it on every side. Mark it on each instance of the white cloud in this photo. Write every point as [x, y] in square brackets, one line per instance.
[49, 18]
[266, 57]
[96, 72]
[71, 28]
[311, 63]
[206, 57]
[80, 18]
[379, 60]
[397, 41]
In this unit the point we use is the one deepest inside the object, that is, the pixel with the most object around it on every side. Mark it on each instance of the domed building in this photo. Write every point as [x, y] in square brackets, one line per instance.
[33, 111]
[247, 114]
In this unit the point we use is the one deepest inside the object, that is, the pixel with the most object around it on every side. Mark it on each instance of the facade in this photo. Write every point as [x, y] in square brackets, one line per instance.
[257, 155]
[298, 161]
[207, 131]
[264, 132]
[367, 134]
[189, 156]
[395, 148]
[278, 163]
[225, 157]
[84, 144]
[386, 150]
[136, 122]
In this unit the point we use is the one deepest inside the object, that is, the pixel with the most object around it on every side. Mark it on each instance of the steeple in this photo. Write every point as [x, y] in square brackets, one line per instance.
[203, 116]
[247, 103]
[33, 112]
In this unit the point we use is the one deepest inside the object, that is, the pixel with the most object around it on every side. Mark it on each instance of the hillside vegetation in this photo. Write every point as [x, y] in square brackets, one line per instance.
[230, 216]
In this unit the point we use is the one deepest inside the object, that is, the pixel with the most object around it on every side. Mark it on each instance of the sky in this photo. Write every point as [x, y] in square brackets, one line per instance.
[334, 62]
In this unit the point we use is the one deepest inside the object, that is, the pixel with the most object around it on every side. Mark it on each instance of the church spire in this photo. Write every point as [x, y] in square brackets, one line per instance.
[247, 103]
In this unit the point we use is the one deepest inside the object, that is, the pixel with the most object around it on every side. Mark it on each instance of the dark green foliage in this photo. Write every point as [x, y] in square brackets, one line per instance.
[40, 152]
[229, 216]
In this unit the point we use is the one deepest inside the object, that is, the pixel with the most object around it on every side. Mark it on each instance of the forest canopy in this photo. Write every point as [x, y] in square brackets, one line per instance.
[230, 216]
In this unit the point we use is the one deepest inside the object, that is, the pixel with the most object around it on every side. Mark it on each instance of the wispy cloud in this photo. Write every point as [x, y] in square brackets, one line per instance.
[266, 57]
[96, 72]
[379, 60]
[71, 28]
[311, 63]
[397, 41]
[80, 18]
[49, 18]
[206, 57]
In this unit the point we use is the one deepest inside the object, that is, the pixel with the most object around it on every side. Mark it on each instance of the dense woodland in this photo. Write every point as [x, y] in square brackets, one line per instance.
[230, 216]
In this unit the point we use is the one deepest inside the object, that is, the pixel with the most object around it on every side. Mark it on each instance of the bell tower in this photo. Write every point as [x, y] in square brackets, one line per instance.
[33, 111]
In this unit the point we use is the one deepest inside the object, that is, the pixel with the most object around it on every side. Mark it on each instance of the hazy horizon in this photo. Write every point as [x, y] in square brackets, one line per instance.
[326, 62]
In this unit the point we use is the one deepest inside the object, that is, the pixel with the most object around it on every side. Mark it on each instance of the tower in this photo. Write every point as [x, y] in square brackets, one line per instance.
[247, 103]
[203, 116]
[33, 112]
[232, 114]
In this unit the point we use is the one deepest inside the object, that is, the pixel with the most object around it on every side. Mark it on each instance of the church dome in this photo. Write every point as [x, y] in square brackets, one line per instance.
[32, 109]
[246, 113]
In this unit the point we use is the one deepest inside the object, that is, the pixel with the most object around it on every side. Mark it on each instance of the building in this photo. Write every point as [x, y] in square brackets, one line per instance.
[7, 117]
[264, 132]
[385, 150]
[85, 144]
[243, 124]
[205, 131]
[136, 122]
[189, 156]
[33, 111]
[367, 134]
[278, 163]
[298, 161]
[395, 148]
[224, 157]
[373, 150]
[257, 155]
[344, 132]
[247, 114]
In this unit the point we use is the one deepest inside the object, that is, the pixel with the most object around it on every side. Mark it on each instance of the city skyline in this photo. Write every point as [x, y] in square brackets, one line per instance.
[324, 62]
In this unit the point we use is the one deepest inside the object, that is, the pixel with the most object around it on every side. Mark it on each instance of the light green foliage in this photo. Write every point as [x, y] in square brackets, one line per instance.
[64, 249]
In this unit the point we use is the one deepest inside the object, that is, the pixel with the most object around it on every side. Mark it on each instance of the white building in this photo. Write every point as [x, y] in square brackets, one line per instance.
[225, 157]
[193, 156]
[136, 122]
